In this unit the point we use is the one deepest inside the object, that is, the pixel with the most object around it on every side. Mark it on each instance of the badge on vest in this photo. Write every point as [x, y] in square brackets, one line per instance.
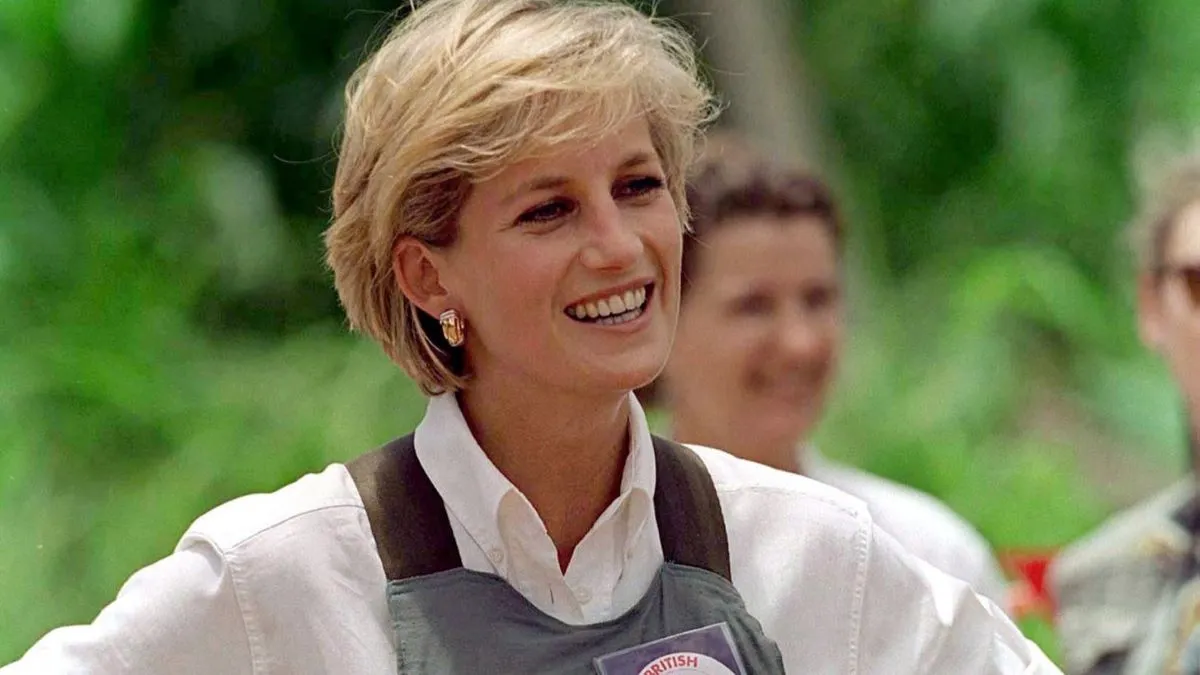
[704, 651]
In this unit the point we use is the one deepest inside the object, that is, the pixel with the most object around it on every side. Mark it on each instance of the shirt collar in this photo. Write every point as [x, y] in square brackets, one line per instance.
[474, 489]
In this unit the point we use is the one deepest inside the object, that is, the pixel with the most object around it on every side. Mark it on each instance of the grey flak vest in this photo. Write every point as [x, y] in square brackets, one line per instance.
[448, 619]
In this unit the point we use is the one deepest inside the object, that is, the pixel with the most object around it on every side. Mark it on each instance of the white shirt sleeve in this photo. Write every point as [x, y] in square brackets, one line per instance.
[942, 624]
[179, 615]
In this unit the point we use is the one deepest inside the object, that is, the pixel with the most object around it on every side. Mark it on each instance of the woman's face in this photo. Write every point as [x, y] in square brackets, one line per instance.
[566, 267]
[759, 333]
[1169, 311]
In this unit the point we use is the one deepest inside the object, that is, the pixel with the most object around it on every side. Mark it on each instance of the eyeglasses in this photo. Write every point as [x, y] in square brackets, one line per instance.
[1191, 279]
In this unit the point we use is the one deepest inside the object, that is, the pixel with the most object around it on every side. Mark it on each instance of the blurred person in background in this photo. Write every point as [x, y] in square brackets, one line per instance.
[761, 329]
[1128, 595]
[508, 209]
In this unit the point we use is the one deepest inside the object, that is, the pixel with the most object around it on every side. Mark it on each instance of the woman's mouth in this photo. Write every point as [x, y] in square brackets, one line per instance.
[615, 309]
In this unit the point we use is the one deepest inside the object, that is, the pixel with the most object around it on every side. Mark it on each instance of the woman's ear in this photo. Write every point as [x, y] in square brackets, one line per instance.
[416, 269]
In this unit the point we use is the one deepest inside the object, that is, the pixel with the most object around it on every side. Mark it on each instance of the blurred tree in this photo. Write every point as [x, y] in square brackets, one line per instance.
[970, 124]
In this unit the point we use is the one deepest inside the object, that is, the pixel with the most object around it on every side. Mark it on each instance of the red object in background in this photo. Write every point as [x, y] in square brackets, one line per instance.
[1029, 594]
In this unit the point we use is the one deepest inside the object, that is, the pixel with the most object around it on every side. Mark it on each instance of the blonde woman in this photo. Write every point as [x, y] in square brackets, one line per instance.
[507, 219]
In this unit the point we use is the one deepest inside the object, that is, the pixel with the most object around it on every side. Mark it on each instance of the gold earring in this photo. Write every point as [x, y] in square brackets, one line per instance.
[454, 329]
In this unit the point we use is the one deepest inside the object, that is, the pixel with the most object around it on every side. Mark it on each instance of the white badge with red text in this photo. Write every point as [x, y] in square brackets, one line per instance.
[704, 651]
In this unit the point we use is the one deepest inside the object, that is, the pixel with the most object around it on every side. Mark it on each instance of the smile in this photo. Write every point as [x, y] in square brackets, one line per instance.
[615, 309]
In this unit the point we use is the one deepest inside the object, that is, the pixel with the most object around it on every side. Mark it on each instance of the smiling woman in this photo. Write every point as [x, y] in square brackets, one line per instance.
[759, 339]
[507, 225]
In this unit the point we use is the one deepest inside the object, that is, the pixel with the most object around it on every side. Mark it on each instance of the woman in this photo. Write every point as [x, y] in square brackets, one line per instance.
[515, 168]
[759, 336]
[1128, 595]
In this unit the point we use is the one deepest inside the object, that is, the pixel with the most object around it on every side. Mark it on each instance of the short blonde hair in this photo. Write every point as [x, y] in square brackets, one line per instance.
[1166, 193]
[458, 91]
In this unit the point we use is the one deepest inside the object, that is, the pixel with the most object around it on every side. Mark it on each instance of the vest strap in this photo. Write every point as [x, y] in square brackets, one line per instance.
[413, 535]
[407, 515]
[690, 522]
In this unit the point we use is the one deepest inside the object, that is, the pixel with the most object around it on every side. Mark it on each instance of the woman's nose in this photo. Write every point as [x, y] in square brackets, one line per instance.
[800, 334]
[612, 241]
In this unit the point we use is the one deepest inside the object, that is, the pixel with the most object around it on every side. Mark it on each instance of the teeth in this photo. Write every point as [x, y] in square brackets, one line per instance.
[606, 311]
[622, 318]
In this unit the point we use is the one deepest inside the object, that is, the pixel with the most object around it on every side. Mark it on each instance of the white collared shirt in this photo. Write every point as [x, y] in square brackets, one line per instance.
[498, 531]
[290, 582]
[925, 526]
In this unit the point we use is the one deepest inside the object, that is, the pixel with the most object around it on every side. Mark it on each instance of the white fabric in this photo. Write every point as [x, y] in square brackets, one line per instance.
[922, 524]
[290, 582]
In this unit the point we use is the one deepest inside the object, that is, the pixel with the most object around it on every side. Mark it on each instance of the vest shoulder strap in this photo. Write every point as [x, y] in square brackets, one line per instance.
[407, 515]
[413, 535]
[690, 521]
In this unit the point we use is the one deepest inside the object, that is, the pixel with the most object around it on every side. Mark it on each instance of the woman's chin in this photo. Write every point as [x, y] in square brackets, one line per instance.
[785, 428]
[625, 376]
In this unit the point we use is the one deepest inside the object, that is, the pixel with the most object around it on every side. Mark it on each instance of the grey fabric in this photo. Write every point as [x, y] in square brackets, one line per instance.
[688, 510]
[448, 619]
[468, 622]
[407, 516]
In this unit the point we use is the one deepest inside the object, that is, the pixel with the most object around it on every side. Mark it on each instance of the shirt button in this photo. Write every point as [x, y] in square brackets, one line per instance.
[583, 595]
[496, 555]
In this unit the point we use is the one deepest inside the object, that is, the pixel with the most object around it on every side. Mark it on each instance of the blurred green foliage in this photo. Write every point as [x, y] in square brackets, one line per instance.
[169, 338]
[987, 153]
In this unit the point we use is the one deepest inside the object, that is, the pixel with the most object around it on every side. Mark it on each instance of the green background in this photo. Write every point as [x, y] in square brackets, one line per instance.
[169, 338]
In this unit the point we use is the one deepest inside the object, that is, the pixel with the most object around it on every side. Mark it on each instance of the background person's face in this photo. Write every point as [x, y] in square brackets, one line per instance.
[759, 333]
[545, 249]
[1169, 316]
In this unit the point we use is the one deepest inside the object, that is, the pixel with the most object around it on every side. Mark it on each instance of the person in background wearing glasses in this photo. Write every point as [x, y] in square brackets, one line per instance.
[1128, 595]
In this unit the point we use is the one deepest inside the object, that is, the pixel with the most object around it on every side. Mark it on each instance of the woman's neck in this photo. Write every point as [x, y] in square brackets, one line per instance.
[776, 453]
[565, 453]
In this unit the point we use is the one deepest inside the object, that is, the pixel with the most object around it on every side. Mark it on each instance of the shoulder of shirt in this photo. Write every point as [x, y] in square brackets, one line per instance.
[733, 476]
[311, 499]
[1141, 534]
[1109, 584]
[886, 497]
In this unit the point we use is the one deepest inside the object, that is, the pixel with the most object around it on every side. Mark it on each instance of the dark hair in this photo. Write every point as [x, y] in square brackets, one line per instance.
[732, 182]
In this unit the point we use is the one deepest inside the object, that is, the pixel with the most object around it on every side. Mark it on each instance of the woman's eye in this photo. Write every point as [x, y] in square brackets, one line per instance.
[819, 298]
[547, 212]
[637, 187]
[752, 305]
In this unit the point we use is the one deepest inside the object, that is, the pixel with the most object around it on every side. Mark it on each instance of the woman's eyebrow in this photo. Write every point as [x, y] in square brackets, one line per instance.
[551, 182]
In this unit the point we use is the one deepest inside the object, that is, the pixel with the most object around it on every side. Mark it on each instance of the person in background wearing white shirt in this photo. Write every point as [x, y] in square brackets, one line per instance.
[760, 333]
[508, 209]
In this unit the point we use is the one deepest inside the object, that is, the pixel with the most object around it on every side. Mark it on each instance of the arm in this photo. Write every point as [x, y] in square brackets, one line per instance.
[179, 615]
[916, 619]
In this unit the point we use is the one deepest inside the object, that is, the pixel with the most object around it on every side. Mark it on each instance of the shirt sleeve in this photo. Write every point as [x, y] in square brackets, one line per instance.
[978, 566]
[917, 619]
[179, 615]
